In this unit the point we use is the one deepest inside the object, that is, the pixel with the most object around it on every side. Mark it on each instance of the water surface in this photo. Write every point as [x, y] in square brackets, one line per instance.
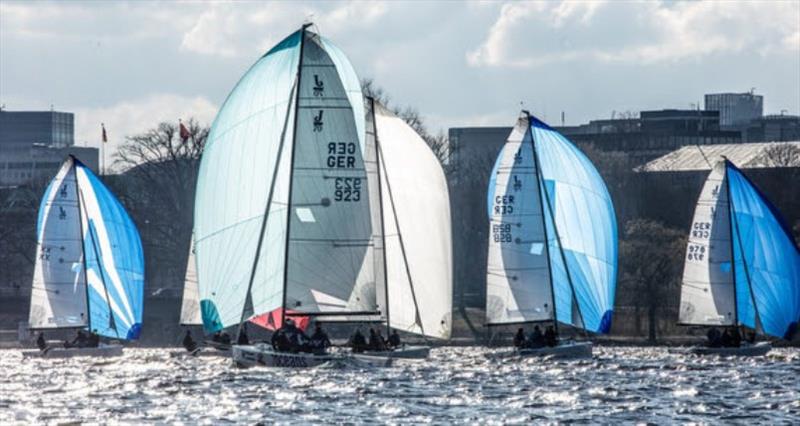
[457, 384]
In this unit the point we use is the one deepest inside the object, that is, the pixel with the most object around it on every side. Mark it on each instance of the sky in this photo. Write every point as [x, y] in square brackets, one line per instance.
[132, 65]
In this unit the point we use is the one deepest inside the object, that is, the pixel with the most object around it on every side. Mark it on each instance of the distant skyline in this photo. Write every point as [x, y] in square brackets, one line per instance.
[134, 64]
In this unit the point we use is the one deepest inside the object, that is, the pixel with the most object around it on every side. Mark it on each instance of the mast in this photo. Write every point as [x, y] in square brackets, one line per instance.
[555, 229]
[383, 229]
[730, 229]
[546, 240]
[757, 318]
[402, 247]
[83, 249]
[248, 297]
[111, 323]
[291, 170]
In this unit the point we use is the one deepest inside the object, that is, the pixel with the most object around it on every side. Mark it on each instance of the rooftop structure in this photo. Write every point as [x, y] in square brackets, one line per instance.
[744, 155]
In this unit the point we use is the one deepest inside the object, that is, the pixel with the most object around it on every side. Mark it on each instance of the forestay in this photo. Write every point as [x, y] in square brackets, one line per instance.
[707, 290]
[416, 217]
[518, 275]
[90, 264]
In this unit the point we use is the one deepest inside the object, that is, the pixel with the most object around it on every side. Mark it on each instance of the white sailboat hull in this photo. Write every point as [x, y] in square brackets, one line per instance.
[564, 350]
[758, 349]
[404, 352]
[53, 352]
[263, 355]
[201, 352]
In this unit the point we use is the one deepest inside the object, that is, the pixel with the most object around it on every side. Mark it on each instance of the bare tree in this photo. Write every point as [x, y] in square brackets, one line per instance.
[779, 154]
[651, 261]
[438, 143]
[158, 186]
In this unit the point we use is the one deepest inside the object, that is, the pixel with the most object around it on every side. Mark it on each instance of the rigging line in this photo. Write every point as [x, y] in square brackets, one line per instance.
[111, 323]
[417, 317]
[542, 189]
[248, 294]
[744, 261]
[546, 245]
[704, 156]
[727, 184]
[299, 83]
[380, 204]
[80, 241]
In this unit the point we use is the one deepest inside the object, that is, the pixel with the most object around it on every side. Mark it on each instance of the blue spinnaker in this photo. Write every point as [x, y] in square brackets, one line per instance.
[586, 231]
[766, 259]
[114, 260]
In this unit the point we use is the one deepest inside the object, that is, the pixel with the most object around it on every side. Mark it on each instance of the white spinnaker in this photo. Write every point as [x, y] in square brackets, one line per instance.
[190, 306]
[708, 291]
[420, 199]
[58, 296]
[330, 233]
[518, 287]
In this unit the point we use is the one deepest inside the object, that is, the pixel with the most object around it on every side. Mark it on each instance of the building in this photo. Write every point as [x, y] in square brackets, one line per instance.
[33, 144]
[736, 110]
[778, 128]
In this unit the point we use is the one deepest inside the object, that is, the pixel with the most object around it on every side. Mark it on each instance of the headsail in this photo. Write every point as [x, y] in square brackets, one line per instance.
[766, 260]
[106, 265]
[291, 133]
[190, 305]
[518, 285]
[416, 214]
[707, 290]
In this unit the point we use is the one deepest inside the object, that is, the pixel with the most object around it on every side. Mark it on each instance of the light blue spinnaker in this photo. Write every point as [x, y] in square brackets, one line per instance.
[251, 164]
[581, 230]
[90, 258]
[766, 260]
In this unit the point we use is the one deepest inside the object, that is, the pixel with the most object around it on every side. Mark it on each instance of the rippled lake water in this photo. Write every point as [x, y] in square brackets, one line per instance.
[620, 384]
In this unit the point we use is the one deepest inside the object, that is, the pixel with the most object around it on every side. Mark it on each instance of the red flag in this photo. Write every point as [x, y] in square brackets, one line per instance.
[105, 137]
[272, 320]
[184, 132]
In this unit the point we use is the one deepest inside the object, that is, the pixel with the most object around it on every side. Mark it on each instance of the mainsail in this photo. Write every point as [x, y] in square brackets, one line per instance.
[190, 305]
[707, 293]
[89, 270]
[557, 245]
[416, 219]
[291, 133]
[761, 287]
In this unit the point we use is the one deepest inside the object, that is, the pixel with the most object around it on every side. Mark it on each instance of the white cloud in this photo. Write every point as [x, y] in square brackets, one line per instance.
[528, 35]
[137, 116]
[237, 29]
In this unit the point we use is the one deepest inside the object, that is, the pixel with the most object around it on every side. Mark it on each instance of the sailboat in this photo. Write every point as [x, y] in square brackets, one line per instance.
[89, 271]
[553, 238]
[742, 265]
[285, 204]
[415, 234]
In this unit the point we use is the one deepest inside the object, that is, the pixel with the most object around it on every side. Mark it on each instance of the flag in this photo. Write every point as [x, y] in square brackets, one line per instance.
[105, 137]
[184, 132]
